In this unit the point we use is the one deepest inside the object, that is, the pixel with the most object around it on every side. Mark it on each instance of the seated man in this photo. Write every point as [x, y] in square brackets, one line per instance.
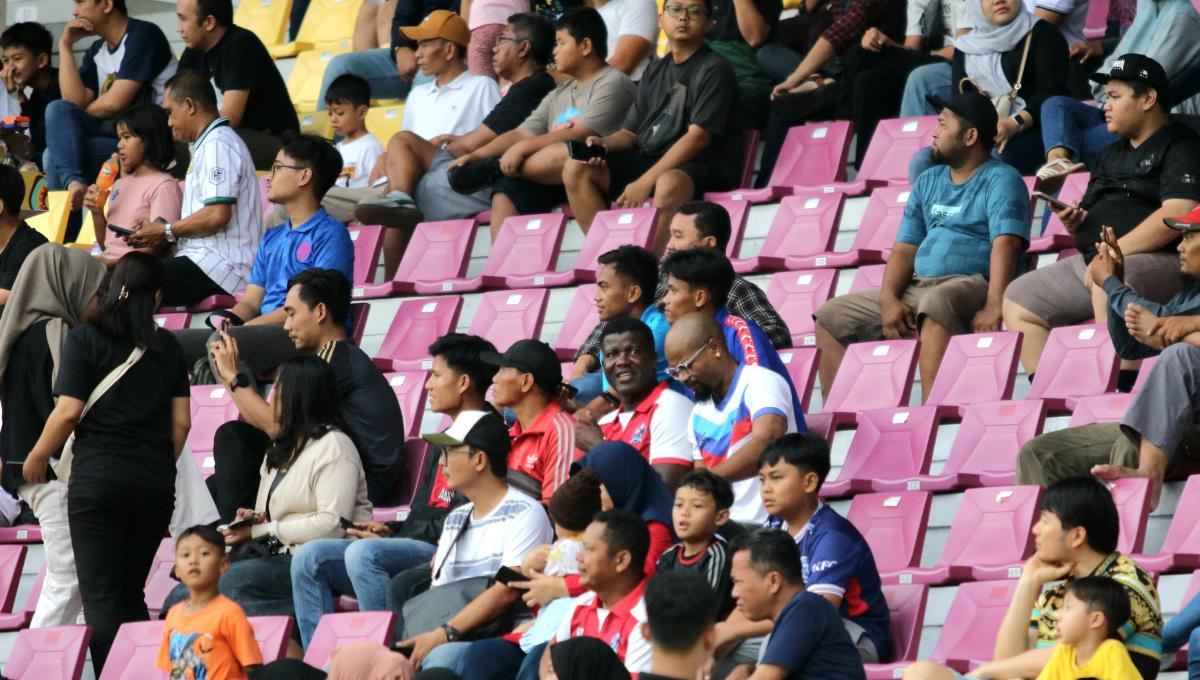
[1076, 537]
[28, 74]
[740, 408]
[317, 305]
[679, 625]
[524, 166]
[672, 155]
[965, 228]
[304, 170]
[18, 237]
[739, 29]
[1152, 172]
[251, 90]
[650, 416]
[221, 227]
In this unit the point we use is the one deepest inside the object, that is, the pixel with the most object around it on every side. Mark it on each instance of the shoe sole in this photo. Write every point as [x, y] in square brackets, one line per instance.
[388, 216]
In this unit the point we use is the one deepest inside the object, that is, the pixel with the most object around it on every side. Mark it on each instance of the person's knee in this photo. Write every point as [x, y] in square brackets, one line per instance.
[576, 174]
[1180, 357]
[673, 189]
[1016, 315]
[927, 670]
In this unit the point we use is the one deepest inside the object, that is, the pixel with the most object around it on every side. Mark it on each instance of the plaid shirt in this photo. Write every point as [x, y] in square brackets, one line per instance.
[851, 21]
[745, 300]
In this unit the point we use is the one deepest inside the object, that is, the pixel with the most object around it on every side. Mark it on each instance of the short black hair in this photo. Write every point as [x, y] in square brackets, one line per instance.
[1140, 89]
[625, 324]
[1106, 596]
[118, 5]
[680, 606]
[317, 154]
[12, 190]
[194, 85]
[28, 34]
[221, 10]
[586, 23]
[539, 31]
[348, 89]
[711, 219]
[706, 268]
[636, 265]
[324, 286]
[1085, 502]
[771, 550]
[205, 533]
[624, 530]
[808, 452]
[149, 124]
[461, 353]
[705, 481]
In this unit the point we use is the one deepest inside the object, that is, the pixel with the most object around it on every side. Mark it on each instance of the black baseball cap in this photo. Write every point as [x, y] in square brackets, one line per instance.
[530, 356]
[482, 430]
[974, 108]
[1138, 68]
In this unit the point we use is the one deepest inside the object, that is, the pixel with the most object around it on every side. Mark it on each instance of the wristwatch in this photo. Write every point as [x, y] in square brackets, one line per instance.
[170, 235]
[452, 634]
[1019, 121]
[239, 380]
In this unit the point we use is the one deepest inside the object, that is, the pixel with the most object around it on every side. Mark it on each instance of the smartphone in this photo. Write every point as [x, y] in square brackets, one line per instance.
[120, 231]
[243, 522]
[1054, 202]
[507, 575]
[345, 523]
[580, 151]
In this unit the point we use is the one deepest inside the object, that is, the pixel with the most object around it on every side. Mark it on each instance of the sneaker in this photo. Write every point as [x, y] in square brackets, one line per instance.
[1050, 177]
[396, 209]
[796, 107]
[474, 176]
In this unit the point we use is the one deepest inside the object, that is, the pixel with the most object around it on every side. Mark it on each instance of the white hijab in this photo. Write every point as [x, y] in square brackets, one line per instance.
[986, 43]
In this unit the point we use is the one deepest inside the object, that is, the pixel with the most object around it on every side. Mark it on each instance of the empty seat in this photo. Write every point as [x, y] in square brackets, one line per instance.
[385, 121]
[804, 225]
[416, 452]
[12, 560]
[891, 442]
[989, 537]
[212, 407]
[304, 83]
[1096, 25]
[582, 317]
[316, 123]
[873, 375]
[1079, 361]
[434, 261]
[1143, 373]
[868, 277]
[1054, 235]
[976, 368]
[48, 653]
[134, 652]
[506, 316]
[159, 582]
[415, 326]
[1181, 548]
[876, 235]
[409, 387]
[21, 533]
[610, 229]
[335, 630]
[892, 147]
[1132, 498]
[968, 636]
[750, 137]
[524, 252]
[1101, 408]
[327, 24]
[801, 364]
[739, 212]
[893, 525]
[368, 240]
[173, 321]
[906, 605]
[796, 295]
[16, 620]
[359, 312]
[812, 157]
[272, 634]
[268, 19]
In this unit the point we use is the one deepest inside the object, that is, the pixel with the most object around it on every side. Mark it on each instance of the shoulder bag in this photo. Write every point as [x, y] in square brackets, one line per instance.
[63, 469]
[1004, 102]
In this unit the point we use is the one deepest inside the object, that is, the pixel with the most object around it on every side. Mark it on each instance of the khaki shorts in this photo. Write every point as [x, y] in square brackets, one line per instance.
[952, 301]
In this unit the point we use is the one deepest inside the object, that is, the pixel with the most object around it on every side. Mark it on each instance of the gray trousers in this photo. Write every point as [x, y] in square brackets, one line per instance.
[260, 348]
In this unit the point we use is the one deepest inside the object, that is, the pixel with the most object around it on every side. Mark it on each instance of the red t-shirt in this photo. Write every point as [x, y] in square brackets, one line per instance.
[545, 451]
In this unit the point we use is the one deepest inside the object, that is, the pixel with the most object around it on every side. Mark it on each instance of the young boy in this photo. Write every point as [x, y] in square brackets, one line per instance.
[702, 504]
[26, 51]
[348, 99]
[207, 635]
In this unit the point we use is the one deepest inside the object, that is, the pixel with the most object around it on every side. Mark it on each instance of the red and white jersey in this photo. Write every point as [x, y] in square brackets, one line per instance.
[657, 427]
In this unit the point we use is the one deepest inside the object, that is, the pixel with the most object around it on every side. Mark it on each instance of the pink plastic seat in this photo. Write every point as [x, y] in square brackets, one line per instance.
[173, 321]
[1054, 235]
[739, 212]
[368, 241]
[272, 634]
[876, 235]
[48, 653]
[750, 140]
[610, 229]
[1096, 24]
[893, 525]
[12, 560]
[506, 316]
[134, 652]
[867, 278]
[801, 364]
[415, 326]
[264, 202]
[416, 453]
[892, 442]
[892, 147]
[968, 636]
[335, 630]
[159, 583]
[989, 538]
[821, 424]
[804, 225]
[1181, 548]
[525, 251]
[796, 295]
[582, 317]
[812, 158]
[17, 620]
[1079, 361]
[907, 607]
[212, 407]
[1132, 498]
[21, 533]
[435, 261]
[359, 311]
[976, 368]
[873, 375]
[1143, 373]
[1101, 408]
[409, 387]
[208, 304]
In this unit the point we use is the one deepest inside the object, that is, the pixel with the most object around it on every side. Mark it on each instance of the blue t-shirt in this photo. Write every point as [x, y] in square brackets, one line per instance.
[953, 225]
[810, 641]
[142, 55]
[837, 560]
[747, 344]
[657, 321]
[321, 241]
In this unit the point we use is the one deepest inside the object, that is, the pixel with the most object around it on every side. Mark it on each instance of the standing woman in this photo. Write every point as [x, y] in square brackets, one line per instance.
[121, 488]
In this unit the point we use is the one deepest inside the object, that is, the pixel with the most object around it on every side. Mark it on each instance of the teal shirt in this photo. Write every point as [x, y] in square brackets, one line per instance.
[657, 321]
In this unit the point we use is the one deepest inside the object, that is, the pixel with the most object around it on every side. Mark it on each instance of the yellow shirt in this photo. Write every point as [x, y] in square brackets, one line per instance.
[1110, 662]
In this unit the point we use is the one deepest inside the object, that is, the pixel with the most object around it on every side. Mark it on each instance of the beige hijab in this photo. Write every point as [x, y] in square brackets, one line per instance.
[54, 283]
[368, 661]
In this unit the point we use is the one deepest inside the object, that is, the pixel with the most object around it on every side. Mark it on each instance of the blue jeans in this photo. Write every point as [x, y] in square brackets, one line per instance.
[1182, 630]
[261, 586]
[491, 659]
[379, 70]
[590, 386]
[77, 147]
[777, 62]
[928, 79]
[1077, 127]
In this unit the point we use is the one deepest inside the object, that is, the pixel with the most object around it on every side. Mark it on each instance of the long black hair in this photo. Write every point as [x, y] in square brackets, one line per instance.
[309, 408]
[149, 123]
[127, 306]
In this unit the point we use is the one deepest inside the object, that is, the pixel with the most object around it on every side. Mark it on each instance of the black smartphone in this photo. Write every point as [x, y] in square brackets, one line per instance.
[507, 575]
[345, 523]
[580, 151]
[1054, 202]
[243, 522]
[120, 231]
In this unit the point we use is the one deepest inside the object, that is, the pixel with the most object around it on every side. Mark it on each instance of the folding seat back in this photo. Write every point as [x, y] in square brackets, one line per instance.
[16, 620]
[610, 229]
[1144, 373]
[813, 155]
[12, 559]
[368, 240]
[1073, 189]
[173, 321]
[526, 245]
[969, 633]
[1079, 361]
[416, 454]
[272, 633]
[264, 202]
[1132, 498]
[867, 277]
[212, 407]
[804, 225]
[750, 142]
[907, 607]
[1101, 408]
[801, 364]
[328, 22]
[159, 583]
[990, 437]
[992, 527]
[888, 442]
[1096, 24]
[796, 295]
[48, 653]
[304, 83]
[134, 651]
[977, 368]
[892, 147]
[438, 251]
[506, 316]
[268, 19]
[359, 312]
[739, 212]
[414, 328]
[881, 219]
[1181, 546]
[335, 630]
[409, 387]
[581, 319]
[385, 121]
[894, 526]
[315, 122]
[873, 375]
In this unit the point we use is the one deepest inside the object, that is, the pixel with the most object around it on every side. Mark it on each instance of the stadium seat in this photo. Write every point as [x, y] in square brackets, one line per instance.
[173, 321]
[134, 652]
[891, 442]
[21, 533]
[989, 538]
[1132, 498]
[1096, 25]
[48, 654]
[416, 452]
[804, 225]
[873, 375]
[821, 424]
[1079, 361]
[316, 123]
[434, 262]
[86, 238]
[267, 206]
[524, 253]
[212, 407]
[750, 140]
[811, 159]
[268, 19]
[1181, 548]
[796, 295]
[907, 607]
[968, 636]
[1054, 235]
[335, 630]
[868, 277]
[1143, 373]
[976, 368]
[876, 235]
[892, 147]
[610, 229]
[159, 583]
[385, 121]
[409, 387]
[801, 364]
[582, 317]
[12, 560]
[1101, 408]
[16, 620]
[506, 316]
[894, 526]
[359, 312]
[738, 211]
[272, 634]
[415, 326]
[368, 241]
[327, 24]
[304, 83]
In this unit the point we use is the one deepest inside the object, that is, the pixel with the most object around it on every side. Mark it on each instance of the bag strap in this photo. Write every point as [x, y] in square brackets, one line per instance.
[462, 530]
[111, 379]
[1021, 70]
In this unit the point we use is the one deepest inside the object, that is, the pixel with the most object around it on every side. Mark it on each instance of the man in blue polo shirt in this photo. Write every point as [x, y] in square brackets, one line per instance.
[303, 171]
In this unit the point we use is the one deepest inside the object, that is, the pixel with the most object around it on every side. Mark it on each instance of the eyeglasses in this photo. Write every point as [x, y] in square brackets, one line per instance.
[447, 452]
[676, 371]
[693, 12]
[277, 165]
[510, 38]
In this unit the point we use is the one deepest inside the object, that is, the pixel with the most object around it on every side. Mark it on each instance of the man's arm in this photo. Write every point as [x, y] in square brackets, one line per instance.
[897, 318]
[118, 98]
[498, 145]
[1002, 269]
[1024, 665]
[1152, 234]
[687, 147]
[1015, 636]
[630, 51]
[1050, 16]
[70, 80]
[233, 106]
[768, 671]
[204, 222]
[254, 409]
[475, 139]
[744, 464]
[250, 306]
[752, 25]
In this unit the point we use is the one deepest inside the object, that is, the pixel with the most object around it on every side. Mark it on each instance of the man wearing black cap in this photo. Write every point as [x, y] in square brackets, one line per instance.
[965, 227]
[529, 382]
[1151, 172]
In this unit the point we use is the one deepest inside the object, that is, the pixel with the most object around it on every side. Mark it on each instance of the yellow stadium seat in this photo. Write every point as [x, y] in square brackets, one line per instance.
[304, 85]
[53, 223]
[328, 25]
[316, 123]
[384, 121]
[268, 19]
[87, 232]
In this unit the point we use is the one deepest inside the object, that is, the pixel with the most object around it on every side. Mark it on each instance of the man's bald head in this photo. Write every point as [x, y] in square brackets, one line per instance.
[688, 333]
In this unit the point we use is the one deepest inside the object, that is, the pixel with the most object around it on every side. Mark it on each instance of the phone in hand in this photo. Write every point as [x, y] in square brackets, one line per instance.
[246, 521]
[345, 523]
[119, 231]
[507, 575]
[580, 151]
[1054, 202]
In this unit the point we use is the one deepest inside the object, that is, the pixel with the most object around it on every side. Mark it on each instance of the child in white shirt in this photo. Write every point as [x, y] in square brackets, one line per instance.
[348, 99]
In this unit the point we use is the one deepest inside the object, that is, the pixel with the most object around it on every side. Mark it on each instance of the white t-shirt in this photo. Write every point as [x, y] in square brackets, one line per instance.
[954, 18]
[631, 17]
[669, 441]
[638, 652]
[502, 538]
[358, 160]
[1075, 10]
[455, 109]
[221, 171]
[718, 431]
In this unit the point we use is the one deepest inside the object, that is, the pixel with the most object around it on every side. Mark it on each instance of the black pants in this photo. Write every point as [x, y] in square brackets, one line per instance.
[115, 531]
[874, 86]
[238, 452]
[186, 284]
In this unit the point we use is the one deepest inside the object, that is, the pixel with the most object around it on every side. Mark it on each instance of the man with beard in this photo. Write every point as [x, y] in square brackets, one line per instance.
[964, 232]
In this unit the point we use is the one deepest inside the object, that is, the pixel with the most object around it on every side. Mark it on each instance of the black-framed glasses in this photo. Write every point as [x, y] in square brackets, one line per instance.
[448, 451]
[693, 12]
[277, 165]
[677, 370]
[510, 39]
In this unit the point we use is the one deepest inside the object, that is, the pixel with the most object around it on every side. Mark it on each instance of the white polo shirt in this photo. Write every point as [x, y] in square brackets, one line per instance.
[221, 171]
[453, 109]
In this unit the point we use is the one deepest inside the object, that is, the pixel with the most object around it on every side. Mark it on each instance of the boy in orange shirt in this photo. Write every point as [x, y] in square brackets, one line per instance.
[207, 635]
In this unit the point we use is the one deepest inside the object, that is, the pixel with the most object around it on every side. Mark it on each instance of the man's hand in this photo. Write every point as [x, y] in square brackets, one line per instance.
[34, 469]
[587, 436]
[1086, 50]
[1173, 329]
[423, 644]
[636, 193]
[1041, 573]
[147, 234]
[8, 75]
[1072, 216]
[76, 30]
[1006, 129]
[462, 160]
[406, 63]
[1143, 326]
[596, 141]
[514, 158]
[898, 320]
[536, 560]
[369, 529]
[540, 589]
[1103, 266]
[987, 320]
[224, 353]
[875, 40]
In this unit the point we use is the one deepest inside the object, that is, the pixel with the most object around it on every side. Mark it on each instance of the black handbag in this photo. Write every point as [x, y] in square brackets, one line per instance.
[666, 125]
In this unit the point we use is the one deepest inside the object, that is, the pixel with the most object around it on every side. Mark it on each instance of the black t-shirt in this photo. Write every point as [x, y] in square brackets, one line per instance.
[241, 62]
[713, 564]
[35, 109]
[126, 436]
[1129, 184]
[522, 98]
[725, 18]
[372, 413]
[24, 239]
[26, 399]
